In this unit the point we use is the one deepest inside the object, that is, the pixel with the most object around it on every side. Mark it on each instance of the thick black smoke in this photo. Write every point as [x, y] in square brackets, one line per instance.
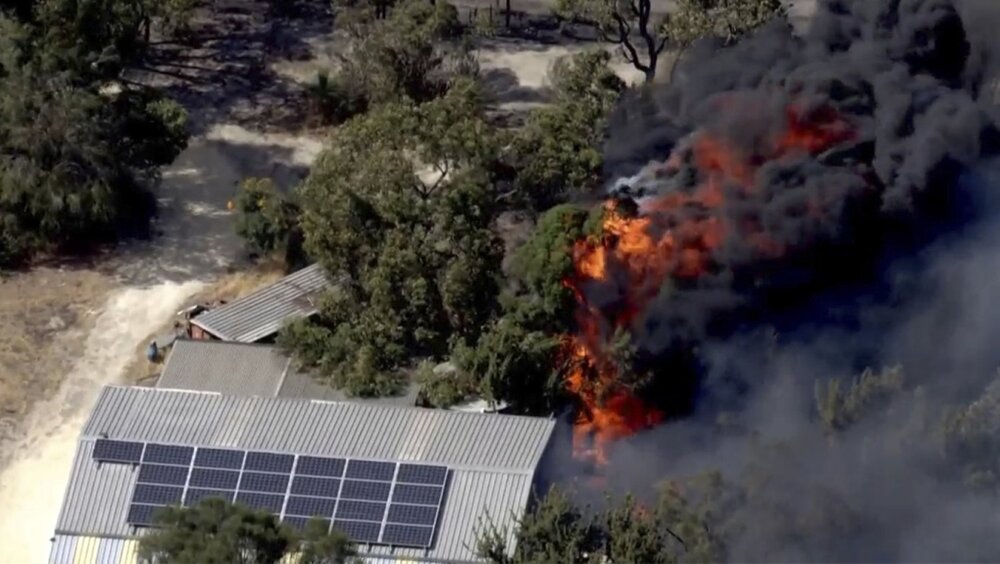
[905, 77]
[899, 269]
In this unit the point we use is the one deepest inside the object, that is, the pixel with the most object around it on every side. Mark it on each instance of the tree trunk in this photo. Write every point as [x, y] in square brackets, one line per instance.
[508, 14]
[650, 72]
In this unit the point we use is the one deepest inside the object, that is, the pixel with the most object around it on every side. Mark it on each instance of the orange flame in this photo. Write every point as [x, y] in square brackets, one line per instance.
[639, 252]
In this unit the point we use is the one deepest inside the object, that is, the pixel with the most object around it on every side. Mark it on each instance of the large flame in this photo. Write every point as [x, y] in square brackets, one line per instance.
[636, 254]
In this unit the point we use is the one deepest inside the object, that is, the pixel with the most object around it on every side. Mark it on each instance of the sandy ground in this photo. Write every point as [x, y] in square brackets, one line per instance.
[152, 281]
[107, 310]
[517, 75]
[31, 488]
[46, 315]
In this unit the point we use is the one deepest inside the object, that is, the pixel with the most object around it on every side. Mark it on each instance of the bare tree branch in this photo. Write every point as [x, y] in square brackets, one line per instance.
[676, 537]
[629, 50]
[442, 171]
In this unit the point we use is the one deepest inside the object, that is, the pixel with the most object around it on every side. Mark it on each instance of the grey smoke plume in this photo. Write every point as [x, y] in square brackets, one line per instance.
[901, 268]
[901, 76]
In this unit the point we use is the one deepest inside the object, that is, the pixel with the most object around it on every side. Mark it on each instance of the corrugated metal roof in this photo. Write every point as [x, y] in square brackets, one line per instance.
[72, 549]
[242, 369]
[261, 313]
[76, 549]
[227, 368]
[97, 496]
[492, 457]
[471, 440]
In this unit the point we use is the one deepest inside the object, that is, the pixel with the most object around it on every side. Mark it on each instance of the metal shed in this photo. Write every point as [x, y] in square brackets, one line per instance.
[260, 314]
[492, 460]
[242, 369]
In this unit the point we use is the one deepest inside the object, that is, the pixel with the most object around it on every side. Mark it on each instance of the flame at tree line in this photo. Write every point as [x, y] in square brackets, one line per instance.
[671, 237]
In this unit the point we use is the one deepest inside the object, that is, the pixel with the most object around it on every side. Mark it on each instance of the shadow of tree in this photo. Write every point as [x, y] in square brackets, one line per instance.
[224, 74]
[505, 88]
[193, 235]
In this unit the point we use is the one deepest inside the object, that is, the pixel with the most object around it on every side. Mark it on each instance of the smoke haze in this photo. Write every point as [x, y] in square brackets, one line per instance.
[899, 267]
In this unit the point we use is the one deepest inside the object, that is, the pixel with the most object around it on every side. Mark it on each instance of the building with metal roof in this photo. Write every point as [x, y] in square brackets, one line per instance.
[491, 461]
[244, 369]
[261, 314]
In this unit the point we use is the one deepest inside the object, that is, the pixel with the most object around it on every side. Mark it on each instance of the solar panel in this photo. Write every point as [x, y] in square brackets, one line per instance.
[141, 515]
[168, 454]
[269, 502]
[308, 506]
[160, 474]
[358, 531]
[320, 487]
[360, 510]
[194, 495]
[316, 466]
[422, 474]
[260, 482]
[371, 470]
[269, 462]
[421, 495]
[412, 514]
[214, 479]
[158, 495]
[356, 492]
[125, 452]
[219, 458]
[407, 535]
[372, 491]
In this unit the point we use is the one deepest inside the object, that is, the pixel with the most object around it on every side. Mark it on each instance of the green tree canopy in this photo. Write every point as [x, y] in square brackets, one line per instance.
[727, 20]
[77, 151]
[553, 530]
[320, 545]
[74, 163]
[97, 39]
[412, 53]
[400, 205]
[538, 296]
[268, 220]
[516, 359]
[558, 152]
[839, 408]
[556, 529]
[971, 439]
[215, 531]
[513, 364]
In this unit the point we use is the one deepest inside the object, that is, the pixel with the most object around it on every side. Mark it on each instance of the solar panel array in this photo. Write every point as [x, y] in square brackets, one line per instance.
[394, 503]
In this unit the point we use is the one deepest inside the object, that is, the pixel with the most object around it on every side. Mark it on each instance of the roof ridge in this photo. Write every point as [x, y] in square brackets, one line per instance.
[217, 343]
[341, 403]
[471, 468]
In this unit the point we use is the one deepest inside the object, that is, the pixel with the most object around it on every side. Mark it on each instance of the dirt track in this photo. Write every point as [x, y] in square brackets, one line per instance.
[30, 488]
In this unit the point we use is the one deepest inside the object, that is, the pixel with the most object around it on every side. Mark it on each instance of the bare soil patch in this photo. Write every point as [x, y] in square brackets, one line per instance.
[45, 313]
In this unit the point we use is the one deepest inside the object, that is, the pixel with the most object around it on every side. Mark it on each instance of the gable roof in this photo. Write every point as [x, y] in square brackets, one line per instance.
[242, 369]
[492, 458]
[261, 313]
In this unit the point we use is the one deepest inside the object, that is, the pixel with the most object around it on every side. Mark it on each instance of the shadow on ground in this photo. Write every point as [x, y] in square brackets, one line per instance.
[221, 73]
[193, 235]
[505, 87]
